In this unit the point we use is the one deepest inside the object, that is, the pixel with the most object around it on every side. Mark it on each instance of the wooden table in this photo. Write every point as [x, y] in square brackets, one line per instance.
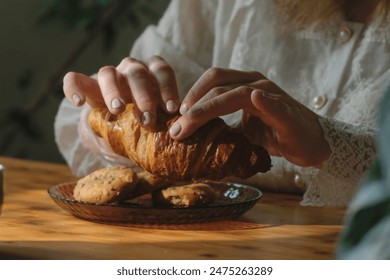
[32, 226]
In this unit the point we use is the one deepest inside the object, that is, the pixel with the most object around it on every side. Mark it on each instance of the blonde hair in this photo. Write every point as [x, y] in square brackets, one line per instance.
[300, 13]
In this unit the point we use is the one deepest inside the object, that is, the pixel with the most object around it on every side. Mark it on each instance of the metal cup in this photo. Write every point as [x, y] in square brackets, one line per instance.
[1, 186]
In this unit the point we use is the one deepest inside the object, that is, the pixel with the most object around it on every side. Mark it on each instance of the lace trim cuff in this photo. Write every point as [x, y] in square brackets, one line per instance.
[353, 149]
[352, 152]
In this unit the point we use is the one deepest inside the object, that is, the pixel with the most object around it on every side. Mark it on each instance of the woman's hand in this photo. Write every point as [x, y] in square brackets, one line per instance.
[148, 85]
[278, 122]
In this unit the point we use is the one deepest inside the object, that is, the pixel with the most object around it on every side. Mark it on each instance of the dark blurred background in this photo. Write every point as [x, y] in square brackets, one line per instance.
[43, 39]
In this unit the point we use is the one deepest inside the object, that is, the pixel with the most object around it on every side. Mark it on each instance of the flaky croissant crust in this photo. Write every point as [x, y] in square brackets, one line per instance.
[214, 151]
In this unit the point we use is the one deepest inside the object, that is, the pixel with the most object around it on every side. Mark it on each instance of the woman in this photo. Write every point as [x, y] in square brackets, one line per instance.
[331, 58]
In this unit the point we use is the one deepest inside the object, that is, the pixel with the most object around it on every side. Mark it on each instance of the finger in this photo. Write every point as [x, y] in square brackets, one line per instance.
[79, 88]
[213, 93]
[201, 113]
[215, 77]
[108, 79]
[223, 104]
[284, 116]
[258, 132]
[299, 136]
[273, 109]
[142, 87]
[166, 81]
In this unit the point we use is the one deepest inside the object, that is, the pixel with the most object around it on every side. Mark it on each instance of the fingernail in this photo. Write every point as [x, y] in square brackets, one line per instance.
[116, 103]
[76, 99]
[183, 108]
[175, 129]
[147, 118]
[171, 106]
[270, 94]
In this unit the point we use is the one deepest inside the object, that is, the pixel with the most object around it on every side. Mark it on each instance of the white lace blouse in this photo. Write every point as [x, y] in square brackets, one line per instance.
[338, 69]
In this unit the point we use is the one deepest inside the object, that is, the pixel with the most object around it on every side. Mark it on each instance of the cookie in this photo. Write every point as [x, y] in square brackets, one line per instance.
[196, 194]
[107, 185]
[147, 183]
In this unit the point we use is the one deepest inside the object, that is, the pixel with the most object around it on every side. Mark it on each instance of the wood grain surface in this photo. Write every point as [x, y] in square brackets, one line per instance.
[32, 226]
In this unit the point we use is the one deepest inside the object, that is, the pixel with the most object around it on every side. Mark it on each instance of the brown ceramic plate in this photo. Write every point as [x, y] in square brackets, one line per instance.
[233, 200]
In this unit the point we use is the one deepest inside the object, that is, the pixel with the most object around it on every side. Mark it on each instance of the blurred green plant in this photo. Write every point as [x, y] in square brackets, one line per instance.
[97, 18]
[101, 16]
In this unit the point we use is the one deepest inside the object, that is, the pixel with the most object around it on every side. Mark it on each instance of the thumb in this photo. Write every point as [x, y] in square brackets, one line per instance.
[273, 109]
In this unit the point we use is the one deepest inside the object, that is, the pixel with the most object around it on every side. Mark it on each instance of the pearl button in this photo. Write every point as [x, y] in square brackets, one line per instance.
[298, 181]
[319, 101]
[345, 34]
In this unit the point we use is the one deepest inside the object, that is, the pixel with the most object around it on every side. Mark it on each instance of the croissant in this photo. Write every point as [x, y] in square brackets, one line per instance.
[214, 151]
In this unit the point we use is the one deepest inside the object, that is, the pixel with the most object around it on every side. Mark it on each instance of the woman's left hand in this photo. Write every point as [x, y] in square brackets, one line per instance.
[279, 123]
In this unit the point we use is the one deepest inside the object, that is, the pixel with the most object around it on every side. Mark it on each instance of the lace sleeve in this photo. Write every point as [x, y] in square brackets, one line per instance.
[353, 151]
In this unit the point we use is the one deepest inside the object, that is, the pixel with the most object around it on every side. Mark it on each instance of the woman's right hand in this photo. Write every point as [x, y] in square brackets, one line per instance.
[273, 119]
[148, 84]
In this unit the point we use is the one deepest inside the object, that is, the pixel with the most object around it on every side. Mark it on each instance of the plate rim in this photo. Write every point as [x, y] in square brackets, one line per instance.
[130, 213]
[133, 206]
